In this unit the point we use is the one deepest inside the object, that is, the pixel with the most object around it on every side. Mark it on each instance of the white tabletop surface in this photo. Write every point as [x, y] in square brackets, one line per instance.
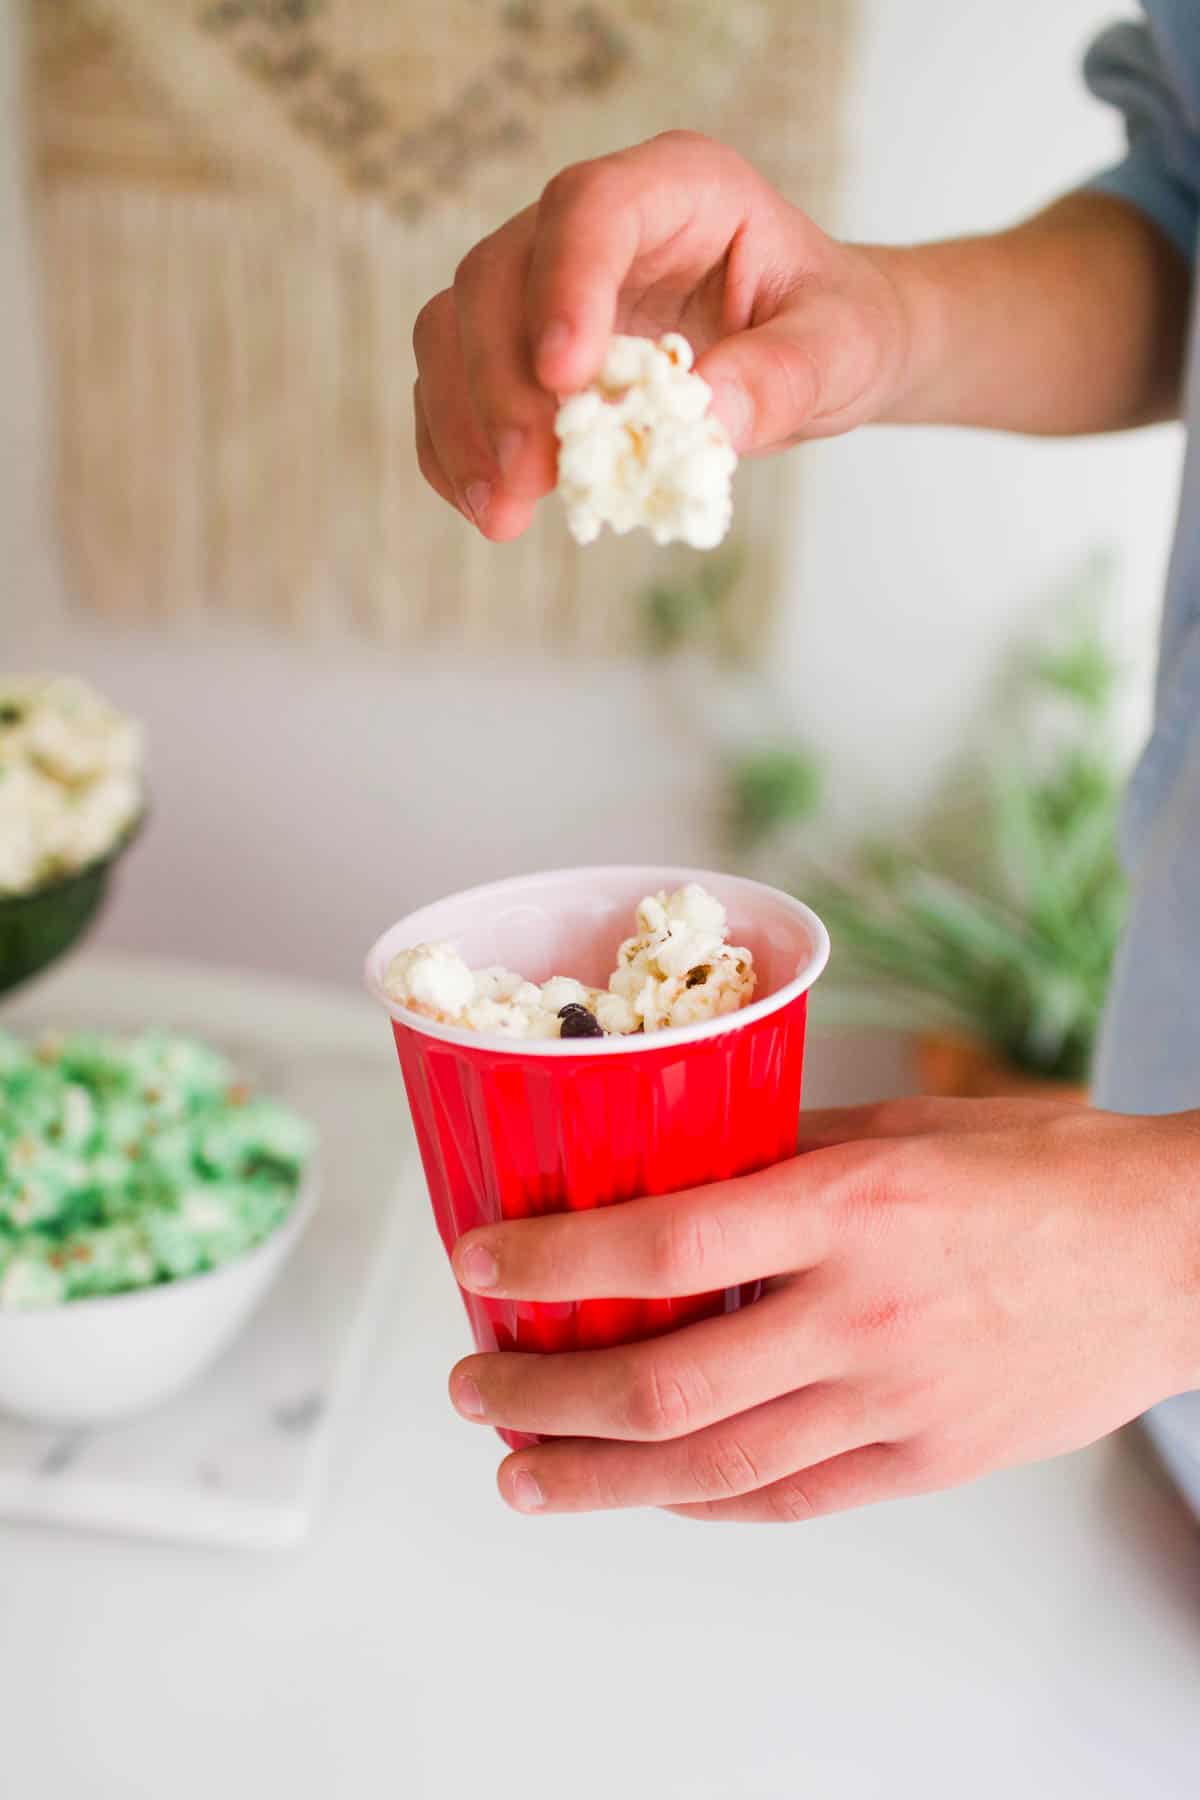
[1037, 1634]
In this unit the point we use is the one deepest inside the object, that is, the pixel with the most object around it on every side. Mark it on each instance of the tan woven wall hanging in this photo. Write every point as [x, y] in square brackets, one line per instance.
[243, 204]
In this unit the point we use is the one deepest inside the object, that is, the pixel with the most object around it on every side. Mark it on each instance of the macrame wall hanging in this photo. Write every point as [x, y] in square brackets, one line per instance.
[243, 203]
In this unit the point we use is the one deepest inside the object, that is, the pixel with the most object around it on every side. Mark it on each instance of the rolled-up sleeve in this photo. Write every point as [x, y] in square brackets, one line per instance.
[1160, 174]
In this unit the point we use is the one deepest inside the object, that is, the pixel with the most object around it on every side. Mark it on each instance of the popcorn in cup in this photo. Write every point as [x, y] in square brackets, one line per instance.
[511, 1127]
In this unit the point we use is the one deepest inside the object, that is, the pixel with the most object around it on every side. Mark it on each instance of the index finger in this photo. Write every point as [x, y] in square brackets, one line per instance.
[516, 414]
[771, 1223]
[678, 201]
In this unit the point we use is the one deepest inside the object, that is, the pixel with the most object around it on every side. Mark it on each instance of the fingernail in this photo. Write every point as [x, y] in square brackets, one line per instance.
[508, 447]
[479, 497]
[555, 338]
[467, 1398]
[527, 1492]
[477, 1267]
[733, 407]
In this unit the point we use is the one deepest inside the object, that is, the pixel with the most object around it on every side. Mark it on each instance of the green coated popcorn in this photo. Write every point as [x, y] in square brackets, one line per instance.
[128, 1162]
[27, 1202]
[168, 1155]
[29, 1276]
[107, 1259]
[126, 1124]
[175, 1247]
[259, 1204]
[77, 1117]
[175, 1073]
[259, 1133]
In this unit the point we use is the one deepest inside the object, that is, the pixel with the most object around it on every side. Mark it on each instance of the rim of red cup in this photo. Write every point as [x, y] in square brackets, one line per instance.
[400, 936]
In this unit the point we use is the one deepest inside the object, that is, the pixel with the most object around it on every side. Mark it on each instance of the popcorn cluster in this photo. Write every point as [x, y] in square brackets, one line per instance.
[127, 1162]
[638, 447]
[70, 778]
[677, 969]
[433, 979]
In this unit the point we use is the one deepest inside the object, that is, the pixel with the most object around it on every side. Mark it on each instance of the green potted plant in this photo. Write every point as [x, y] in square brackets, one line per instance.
[991, 938]
[998, 943]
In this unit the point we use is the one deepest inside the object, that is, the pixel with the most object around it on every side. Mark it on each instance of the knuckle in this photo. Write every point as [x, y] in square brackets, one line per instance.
[890, 1118]
[425, 326]
[908, 1404]
[682, 137]
[545, 1255]
[723, 1469]
[680, 1250]
[793, 376]
[476, 269]
[579, 184]
[911, 1166]
[879, 1316]
[685, 135]
[927, 1461]
[661, 1401]
[881, 1172]
[426, 464]
[594, 1479]
[789, 1502]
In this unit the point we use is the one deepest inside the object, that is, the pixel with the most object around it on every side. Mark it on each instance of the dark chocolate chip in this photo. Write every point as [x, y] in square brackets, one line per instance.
[578, 1022]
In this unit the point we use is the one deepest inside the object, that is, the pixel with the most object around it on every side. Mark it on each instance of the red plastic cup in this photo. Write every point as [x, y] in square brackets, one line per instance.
[512, 1128]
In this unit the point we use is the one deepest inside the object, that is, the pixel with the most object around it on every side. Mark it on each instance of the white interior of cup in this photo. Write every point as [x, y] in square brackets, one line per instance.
[570, 922]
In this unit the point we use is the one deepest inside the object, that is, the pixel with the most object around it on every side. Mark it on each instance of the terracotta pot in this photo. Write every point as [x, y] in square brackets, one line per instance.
[963, 1068]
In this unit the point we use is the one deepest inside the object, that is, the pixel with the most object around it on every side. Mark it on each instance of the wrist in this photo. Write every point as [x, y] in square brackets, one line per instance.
[918, 301]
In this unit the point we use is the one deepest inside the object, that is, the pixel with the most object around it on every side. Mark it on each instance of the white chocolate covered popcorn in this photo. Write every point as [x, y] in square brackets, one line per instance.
[70, 778]
[676, 970]
[638, 447]
[432, 979]
[679, 970]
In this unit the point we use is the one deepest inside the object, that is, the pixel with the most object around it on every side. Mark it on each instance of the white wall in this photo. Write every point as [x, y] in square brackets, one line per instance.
[302, 803]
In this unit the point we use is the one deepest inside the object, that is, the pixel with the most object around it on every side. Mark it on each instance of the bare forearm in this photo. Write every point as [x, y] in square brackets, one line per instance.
[1072, 322]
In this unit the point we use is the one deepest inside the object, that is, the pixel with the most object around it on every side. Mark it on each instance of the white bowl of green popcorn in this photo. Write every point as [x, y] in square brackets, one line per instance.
[147, 1202]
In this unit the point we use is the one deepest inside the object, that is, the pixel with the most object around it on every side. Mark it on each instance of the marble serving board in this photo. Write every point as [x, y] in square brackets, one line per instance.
[242, 1456]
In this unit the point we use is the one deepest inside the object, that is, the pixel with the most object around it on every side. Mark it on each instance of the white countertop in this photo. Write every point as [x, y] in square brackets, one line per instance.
[1036, 1634]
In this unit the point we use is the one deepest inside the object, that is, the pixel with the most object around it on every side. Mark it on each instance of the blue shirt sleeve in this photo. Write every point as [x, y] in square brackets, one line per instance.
[1160, 175]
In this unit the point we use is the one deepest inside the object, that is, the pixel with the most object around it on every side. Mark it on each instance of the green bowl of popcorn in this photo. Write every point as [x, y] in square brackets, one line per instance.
[148, 1198]
[71, 803]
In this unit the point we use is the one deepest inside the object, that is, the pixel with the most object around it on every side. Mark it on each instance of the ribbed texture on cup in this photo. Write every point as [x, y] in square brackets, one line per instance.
[506, 1136]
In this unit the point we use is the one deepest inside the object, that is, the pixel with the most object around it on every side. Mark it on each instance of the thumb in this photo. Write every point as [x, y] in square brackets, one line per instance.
[804, 375]
[765, 384]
